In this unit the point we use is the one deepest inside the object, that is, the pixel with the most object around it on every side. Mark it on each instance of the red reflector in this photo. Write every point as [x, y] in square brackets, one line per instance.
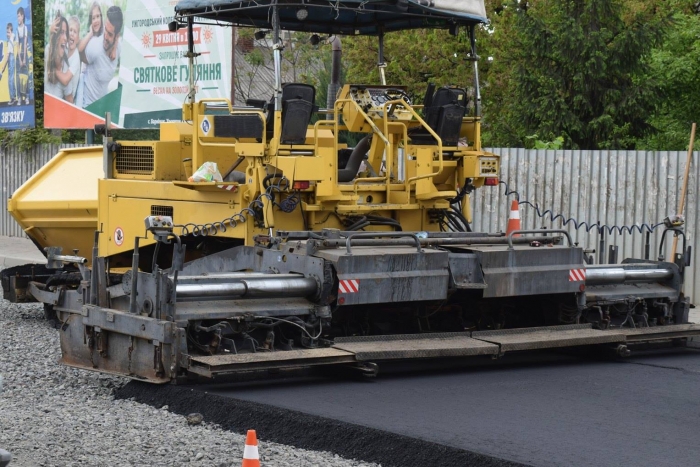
[300, 185]
[491, 181]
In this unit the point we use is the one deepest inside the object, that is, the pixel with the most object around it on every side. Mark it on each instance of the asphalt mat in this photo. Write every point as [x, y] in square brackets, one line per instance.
[536, 409]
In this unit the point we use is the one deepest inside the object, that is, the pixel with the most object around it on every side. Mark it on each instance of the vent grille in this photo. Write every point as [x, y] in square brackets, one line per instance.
[137, 160]
[157, 210]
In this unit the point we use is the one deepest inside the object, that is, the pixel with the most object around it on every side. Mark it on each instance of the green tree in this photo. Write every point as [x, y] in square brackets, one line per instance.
[677, 66]
[413, 58]
[573, 68]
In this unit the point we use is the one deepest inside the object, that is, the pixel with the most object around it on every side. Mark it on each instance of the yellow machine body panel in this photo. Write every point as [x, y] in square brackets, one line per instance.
[270, 179]
[58, 205]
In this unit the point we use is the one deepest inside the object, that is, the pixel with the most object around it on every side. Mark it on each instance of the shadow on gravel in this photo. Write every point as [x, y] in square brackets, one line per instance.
[307, 431]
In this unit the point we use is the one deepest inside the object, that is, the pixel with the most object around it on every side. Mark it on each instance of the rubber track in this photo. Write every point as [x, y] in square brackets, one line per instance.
[307, 431]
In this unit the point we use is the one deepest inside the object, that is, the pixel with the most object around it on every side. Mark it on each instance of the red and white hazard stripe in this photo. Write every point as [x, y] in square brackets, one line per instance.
[227, 187]
[577, 275]
[349, 286]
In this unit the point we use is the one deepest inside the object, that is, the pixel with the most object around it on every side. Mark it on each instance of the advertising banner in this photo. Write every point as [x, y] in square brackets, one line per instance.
[119, 57]
[16, 68]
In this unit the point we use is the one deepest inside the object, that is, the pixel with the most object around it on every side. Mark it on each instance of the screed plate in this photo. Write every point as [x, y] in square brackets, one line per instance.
[549, 337]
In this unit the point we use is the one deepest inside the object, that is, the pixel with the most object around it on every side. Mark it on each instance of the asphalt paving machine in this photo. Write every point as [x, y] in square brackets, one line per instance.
[307, 252]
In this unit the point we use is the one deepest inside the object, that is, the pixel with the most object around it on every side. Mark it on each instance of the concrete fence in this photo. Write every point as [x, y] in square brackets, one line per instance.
[610, 188]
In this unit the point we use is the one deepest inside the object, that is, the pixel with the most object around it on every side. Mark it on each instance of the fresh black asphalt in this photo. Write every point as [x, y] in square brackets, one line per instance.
[541, 409]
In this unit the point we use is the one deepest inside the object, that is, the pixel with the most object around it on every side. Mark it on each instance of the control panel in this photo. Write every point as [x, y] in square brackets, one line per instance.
[160, 226]
[373, 98]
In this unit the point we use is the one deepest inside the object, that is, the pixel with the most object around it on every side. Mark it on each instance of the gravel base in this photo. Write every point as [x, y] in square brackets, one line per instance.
[52, 415]
[310, 431]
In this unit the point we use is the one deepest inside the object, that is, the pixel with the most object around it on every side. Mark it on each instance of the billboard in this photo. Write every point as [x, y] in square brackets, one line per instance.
[16, 80]
[119, 57]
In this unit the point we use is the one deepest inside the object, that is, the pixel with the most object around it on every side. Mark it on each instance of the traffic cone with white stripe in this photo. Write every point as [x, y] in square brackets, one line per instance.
[513, 218]
[251, 458]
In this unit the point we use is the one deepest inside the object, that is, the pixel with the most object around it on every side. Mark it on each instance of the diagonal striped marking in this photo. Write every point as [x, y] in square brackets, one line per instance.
[349, 286]
[577, 275]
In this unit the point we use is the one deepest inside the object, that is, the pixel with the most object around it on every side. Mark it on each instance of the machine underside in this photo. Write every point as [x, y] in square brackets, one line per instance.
[350, 299]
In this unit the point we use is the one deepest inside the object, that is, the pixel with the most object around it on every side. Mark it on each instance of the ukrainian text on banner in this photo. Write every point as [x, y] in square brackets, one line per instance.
[16, 66]
[121, 58]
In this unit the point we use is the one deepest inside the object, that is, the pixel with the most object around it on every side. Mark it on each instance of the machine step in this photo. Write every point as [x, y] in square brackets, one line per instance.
[410, 346]
[548, 337]
[234, 363]
[673, 331]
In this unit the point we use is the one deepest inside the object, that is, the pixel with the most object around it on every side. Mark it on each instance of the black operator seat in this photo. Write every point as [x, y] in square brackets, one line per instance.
[297, 108]
[443, 112]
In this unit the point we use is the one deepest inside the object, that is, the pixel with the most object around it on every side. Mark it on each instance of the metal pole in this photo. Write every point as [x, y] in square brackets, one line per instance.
[106, 143]
[258, 287]
[647, 246]
[134, 277]
[426, 242]
[234, 31]
[681, 202]
[607, 275]
[94, 282]
[381, 63]
[334, 85]
[190, 59]
[475, 59]
[277, 56]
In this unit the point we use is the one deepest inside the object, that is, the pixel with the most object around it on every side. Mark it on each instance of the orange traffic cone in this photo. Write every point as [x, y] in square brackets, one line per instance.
[513, 218]
[250, 453]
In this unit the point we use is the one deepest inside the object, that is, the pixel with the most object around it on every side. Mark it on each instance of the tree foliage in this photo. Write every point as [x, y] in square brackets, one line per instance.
[597, 73]
[573, 68]
[676, 66]
[413, 58]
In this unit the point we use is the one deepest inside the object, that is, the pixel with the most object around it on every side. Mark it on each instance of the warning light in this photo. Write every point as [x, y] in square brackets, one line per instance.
[491, 181]
[300, 185]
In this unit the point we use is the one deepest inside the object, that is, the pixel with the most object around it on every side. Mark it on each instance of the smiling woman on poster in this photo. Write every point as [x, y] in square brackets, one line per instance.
[68, 78]
[57, 75]
[101, 56]
[94, 29]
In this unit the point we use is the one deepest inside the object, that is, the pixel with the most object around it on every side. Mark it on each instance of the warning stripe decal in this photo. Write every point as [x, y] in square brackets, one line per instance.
[577, 275]
[348, 286]
[228, 187]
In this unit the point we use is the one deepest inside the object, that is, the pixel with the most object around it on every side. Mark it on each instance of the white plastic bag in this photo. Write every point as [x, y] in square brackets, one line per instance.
[208, 172]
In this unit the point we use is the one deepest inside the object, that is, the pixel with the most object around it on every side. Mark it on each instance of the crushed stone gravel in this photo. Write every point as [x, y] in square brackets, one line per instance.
[53, 415]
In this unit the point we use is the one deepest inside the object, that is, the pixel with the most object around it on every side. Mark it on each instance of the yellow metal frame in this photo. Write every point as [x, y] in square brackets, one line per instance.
[433, 175]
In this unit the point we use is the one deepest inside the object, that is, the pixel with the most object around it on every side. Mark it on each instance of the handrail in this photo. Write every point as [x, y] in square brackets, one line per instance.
[432, 133]
[348, 241]
[377, 132]
[404, 129]
[335, 134]
[218, 99]
[546, 231]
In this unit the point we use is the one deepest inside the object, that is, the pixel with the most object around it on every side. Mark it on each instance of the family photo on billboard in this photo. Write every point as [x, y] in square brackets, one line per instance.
[82, 52]
[102, 57]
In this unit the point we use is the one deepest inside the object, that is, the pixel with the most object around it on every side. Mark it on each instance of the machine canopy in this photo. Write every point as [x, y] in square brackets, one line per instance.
[349, 17]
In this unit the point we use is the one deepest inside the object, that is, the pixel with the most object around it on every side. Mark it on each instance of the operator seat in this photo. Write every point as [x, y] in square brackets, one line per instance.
[443, 112]
[297, 109]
